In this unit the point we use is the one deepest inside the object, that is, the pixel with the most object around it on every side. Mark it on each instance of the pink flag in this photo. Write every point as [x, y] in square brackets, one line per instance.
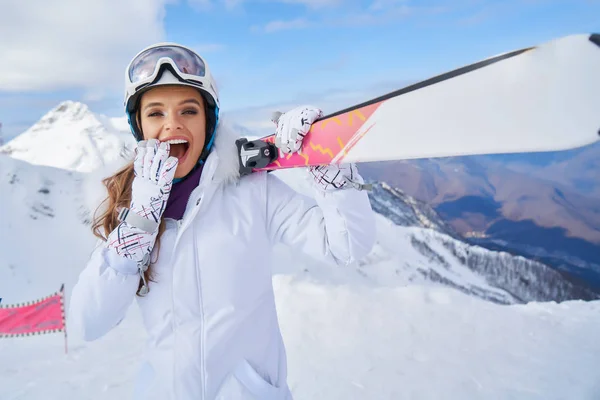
[46, 315]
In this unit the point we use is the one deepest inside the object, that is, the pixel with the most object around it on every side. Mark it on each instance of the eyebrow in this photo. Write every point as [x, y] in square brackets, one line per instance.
[157, 104]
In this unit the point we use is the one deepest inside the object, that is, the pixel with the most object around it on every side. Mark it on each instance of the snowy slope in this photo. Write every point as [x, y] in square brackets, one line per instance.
[47, 209]
[71, 137]
[356, 342]
[525, 279]
[500, 209]
[415, 246]
[392, 326]
[42, 231]
[405, 210]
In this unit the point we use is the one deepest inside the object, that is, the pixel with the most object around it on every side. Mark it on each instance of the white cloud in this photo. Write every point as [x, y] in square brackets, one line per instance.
[207, 48]
[73, 43]
[379, 5]
[201, 5]
[275, 26]
[257, 118]
[232, 4]
[205, 5]
[378, 13]
[315, 4]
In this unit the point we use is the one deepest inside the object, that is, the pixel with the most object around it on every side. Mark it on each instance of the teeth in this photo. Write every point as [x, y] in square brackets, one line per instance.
[177, 141]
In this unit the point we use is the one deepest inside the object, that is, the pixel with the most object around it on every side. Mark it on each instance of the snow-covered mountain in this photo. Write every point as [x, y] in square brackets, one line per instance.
[421, 302]
[71, 137]
[523, 279]
[42, 229]
[503, 203]
[405, 210]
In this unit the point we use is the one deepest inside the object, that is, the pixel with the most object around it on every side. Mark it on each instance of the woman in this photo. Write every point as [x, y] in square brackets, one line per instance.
[191, 241]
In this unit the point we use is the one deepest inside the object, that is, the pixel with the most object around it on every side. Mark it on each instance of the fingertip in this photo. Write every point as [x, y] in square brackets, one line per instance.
[140, 145]
[171, 161]
[275, 116]
[165, 146]
[155, 143]
[140, 152]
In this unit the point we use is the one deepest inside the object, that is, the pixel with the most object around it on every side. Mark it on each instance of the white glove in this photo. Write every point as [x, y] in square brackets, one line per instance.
[293, 126]
[334, 177]
[154, 170]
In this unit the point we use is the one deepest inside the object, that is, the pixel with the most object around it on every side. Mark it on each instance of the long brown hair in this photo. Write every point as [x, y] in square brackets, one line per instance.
[119, 195]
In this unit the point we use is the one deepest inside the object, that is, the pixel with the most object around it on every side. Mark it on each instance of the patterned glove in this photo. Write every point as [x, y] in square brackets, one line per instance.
[293, 126]
[334, 177]
[154, 170]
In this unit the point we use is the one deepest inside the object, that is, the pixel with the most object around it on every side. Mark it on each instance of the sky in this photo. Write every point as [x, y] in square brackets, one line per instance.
[266, 55]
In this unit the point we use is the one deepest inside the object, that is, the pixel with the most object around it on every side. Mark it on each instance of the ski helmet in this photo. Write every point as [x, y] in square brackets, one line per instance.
[169, 64]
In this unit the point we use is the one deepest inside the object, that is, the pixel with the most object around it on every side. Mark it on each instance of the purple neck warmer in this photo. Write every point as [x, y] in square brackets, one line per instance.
[180, 194]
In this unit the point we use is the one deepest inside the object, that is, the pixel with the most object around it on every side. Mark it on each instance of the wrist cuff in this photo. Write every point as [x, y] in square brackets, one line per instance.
[125, 215]
[119, 263]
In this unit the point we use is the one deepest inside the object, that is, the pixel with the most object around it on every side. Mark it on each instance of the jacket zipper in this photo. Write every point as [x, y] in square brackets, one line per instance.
[202, 321]
[194, 211]
[173, 320]
[178, 224]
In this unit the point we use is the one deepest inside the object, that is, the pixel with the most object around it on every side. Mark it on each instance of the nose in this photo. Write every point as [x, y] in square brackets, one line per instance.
[173, 122]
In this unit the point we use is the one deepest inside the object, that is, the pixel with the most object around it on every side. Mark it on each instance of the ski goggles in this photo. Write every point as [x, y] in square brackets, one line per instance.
[146, 65]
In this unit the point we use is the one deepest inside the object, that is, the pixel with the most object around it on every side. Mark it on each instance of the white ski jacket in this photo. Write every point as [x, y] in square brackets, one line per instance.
[210, 316]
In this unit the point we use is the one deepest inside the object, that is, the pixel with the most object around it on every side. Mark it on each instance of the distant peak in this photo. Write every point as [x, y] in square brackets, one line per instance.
[66, 112]
[70, 109]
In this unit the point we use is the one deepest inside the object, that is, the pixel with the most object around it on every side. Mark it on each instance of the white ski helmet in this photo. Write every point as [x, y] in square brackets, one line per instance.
[169, 64]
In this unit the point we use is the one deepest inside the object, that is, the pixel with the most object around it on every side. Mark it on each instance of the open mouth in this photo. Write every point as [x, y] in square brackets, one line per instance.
[179, 148]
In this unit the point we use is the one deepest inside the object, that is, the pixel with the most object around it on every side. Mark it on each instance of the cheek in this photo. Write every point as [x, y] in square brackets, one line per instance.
[198, 133]
[149, 128]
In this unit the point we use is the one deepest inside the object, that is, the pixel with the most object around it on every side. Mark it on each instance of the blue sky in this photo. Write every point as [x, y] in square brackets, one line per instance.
[266, 54]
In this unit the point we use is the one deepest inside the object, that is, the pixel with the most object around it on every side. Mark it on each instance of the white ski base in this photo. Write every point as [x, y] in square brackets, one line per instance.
[545, 99]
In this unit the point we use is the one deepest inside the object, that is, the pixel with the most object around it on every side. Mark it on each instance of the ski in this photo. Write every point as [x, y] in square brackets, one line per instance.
[535, 99]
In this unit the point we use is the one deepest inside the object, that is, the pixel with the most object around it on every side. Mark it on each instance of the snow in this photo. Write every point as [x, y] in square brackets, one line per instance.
[43, 237]
[380, 329]
[357, 342]
[72, 137]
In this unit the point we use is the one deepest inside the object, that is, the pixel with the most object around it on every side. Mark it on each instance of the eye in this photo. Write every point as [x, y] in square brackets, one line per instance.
[155, 114]
[191, 111]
